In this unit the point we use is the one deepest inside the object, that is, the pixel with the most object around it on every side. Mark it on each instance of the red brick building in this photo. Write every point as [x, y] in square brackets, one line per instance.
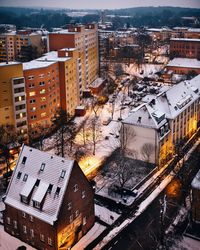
[183, 66]
[42, 92]
[49, 202]
[185, 47]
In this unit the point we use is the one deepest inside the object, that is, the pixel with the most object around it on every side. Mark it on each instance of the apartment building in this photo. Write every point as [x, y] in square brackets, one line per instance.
[185, 47]
[13, 45]
[70, 76]
[152, 131]
[184, 66]
[42, 93]
[49, 202]
[13, 96]
[85, 40]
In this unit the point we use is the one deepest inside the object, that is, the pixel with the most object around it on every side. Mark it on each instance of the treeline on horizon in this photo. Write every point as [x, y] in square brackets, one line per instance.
[137, 17]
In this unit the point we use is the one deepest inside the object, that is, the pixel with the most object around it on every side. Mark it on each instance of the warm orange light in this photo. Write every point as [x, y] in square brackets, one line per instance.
[173, 189]
[89, 164]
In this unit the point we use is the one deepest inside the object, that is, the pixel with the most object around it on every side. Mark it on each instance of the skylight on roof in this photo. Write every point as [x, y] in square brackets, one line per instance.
[42, 167]
[24, 160]
[62, 175]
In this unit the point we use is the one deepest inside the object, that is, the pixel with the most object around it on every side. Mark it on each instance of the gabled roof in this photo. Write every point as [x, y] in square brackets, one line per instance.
[34, 183]
[167, 105]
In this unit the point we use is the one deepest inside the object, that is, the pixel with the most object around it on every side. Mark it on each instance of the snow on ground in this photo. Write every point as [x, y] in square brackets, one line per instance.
[92, 234]
[8, 242]
[187, 244]
[147, 69]
[105, 214]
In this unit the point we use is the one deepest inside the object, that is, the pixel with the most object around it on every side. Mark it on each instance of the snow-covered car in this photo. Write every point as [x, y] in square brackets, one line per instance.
[107, 121]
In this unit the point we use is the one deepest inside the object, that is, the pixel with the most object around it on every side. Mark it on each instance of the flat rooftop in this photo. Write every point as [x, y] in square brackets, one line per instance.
[184, 63]
[53, 57]
[36, 64]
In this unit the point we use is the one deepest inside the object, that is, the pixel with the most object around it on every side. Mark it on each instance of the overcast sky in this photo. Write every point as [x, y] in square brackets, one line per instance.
[99, 4]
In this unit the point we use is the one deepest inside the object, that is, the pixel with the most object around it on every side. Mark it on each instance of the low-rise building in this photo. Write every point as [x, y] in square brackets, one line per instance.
[184, 66]
[49, 202]
[152, 131]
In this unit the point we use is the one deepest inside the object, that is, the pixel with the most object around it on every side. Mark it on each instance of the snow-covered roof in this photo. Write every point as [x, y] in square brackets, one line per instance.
[35, 64]
[97, 82]
[34, 182]
[167, 105]
[2, 64]
[53, 57]
[184, 63]
[196, 181]
[185, 39]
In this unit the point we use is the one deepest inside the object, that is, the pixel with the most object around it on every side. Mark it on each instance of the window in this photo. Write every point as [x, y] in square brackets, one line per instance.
[15, 224]
[83, 194]
[37, 204]
[75, 188]
[42, 167]
[24, 160]
[24, 199]
[84, 220]
[42, 91]
[32, 233]
[8, 220]
[31, 218]
[33, 109]
[57, 190]
[76, 213]
[42, 83]
[33, 117]
[49, 241]
[63, 174]
[42, 237]
[43, 99]
[50, 188]
[43, 114]
[32, 93]
[69, 206]
[23, 214]
[25, 177]
[32, 101]
[19, 175]
[24, 229]
[37, 183]
[30, 77]
[32, 85]
[70, 218]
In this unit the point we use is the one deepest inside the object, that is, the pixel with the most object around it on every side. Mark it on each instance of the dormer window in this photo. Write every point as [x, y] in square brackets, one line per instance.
[24, 199]
[25, 178]
[37, 204]
[62, 175]
[19, 175]
[24, 160]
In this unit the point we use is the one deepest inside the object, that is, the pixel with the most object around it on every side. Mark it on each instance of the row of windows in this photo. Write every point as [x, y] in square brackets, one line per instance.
[42, 75]
[25, 229]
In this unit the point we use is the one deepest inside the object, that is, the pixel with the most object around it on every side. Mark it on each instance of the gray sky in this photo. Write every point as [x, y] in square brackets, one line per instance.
[100, 4]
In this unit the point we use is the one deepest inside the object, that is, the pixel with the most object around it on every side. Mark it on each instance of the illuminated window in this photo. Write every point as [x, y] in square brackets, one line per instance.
[43, 114]
[43, 99]
[49, 241]
[32, 93]
[33, 109]
[42, 91]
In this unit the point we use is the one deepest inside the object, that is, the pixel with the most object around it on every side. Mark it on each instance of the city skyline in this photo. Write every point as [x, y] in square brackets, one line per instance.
[87, 4]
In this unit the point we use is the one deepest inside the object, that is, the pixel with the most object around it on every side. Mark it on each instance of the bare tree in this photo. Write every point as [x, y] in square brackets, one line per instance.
[118, 70]
[146, 151]
[65, 133]
[95, 133]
